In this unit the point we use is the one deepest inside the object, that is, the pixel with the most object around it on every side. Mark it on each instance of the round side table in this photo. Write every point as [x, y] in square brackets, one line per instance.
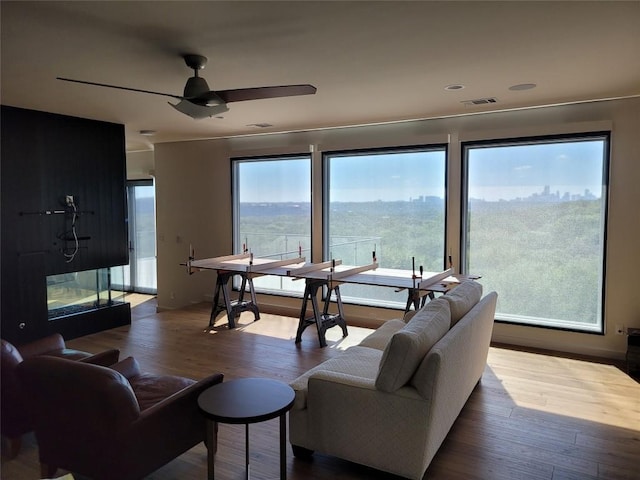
[246, 401]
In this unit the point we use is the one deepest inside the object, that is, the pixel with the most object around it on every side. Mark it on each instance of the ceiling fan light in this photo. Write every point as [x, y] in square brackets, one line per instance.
[209, 99]
[198, 111]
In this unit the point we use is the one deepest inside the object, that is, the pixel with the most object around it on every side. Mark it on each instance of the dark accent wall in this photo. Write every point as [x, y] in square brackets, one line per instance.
[44, 158]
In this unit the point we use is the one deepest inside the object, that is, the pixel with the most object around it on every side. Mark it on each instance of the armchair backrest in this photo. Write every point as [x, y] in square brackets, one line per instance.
[14, 419]
[87, 418]
[93, 403]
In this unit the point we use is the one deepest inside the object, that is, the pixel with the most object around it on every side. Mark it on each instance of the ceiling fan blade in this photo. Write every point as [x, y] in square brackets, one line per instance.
[242, 94]
[120, 88]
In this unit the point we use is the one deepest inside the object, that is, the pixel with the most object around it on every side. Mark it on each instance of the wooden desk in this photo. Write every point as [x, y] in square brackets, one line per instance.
[330, 274]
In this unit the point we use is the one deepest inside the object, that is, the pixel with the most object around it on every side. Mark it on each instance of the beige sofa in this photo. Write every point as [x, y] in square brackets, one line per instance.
[390, 401]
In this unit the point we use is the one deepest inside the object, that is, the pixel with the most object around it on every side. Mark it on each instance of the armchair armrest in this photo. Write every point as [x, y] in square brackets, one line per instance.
[178, 414]
[42, 346]
[184, 396]
[128, 367]
[105, 359]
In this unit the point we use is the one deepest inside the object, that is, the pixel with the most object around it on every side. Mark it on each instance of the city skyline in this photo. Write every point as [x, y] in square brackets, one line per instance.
[543, 193]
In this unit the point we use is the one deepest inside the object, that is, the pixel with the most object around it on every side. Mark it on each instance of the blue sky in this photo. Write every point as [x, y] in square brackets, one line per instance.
[275, 181]
[495, 173]
[387, 177]
[353, 178]
[519, 171]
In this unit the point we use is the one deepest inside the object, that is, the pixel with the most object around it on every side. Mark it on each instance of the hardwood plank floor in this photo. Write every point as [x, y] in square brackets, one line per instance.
[533, 416]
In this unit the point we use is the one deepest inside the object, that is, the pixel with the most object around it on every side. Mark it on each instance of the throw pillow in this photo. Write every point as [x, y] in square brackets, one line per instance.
[408, 346]
[462, 299]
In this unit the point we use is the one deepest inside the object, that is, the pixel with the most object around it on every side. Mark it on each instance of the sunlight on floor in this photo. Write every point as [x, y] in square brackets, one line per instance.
[135, 299]
[572, 388]
[286, 328]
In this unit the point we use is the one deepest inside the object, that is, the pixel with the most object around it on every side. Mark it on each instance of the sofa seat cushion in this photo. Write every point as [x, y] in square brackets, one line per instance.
[357, 361]
[408, 346]
[381, 336]
[462, 299]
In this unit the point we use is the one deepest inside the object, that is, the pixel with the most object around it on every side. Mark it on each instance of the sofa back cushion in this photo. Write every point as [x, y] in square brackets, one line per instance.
[462, 299]
[381, 336]
[409, 345]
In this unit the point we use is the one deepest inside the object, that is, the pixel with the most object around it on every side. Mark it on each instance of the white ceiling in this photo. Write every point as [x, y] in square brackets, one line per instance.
[370, 61]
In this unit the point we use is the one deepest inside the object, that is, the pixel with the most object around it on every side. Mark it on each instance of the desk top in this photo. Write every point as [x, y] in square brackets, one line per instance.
[332, 271]
[246, 400]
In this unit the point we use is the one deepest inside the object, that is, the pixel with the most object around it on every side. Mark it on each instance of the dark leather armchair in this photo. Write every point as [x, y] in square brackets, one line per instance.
[110, 423]
[14, 421]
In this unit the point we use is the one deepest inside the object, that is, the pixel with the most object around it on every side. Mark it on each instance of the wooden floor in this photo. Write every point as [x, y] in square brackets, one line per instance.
[533, 416]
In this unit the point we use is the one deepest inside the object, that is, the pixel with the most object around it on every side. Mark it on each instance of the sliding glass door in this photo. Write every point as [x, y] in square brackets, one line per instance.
[140, 275]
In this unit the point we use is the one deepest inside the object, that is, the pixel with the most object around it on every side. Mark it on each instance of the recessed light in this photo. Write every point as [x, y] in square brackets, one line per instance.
[147, 133]
[455, 86]
[522, 86]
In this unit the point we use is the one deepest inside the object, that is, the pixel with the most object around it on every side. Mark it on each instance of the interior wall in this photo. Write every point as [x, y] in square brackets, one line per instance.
[140, 165]
[45, 159]
[194, 205]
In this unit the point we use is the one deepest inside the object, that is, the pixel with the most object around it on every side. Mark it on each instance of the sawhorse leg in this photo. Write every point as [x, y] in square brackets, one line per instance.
[339, 318]
[242, 305]
[413, 299]
[416, 300]
[323, 320]
[431, 296]
[222, 280]
[232, 307]
[310, 293]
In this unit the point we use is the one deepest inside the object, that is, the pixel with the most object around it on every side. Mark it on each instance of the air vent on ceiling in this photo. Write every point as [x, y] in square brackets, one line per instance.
[480, 101]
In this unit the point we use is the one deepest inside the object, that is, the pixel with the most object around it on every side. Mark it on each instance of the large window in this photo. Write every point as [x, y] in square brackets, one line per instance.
[272, 213]
[390, 201]
[534, 227]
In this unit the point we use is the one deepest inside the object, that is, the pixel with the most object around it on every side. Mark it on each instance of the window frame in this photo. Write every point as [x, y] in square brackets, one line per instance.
[604, 135]
[326, 157]
[235, 211]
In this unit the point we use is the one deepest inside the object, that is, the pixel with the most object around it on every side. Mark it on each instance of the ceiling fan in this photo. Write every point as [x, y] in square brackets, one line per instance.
[198, 101]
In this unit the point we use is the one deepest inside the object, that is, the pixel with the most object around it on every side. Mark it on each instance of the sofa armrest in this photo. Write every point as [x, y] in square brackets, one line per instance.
[349, 418]
[42, 346]
[105, 359]
[344, 379]
[454, 366]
